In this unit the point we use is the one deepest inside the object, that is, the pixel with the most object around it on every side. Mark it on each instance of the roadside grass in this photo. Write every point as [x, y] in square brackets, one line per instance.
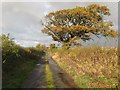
[49, 75]
[90, 67]
[15, 78]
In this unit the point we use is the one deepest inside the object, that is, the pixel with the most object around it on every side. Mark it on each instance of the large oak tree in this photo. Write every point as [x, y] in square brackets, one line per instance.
[68, 26]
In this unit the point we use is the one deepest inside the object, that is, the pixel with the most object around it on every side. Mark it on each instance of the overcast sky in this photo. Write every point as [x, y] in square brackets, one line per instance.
[22, 20]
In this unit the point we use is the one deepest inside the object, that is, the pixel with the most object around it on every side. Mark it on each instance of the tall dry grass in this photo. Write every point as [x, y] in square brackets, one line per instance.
[90, 66]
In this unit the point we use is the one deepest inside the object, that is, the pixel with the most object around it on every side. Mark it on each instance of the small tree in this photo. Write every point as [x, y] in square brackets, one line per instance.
[68, 26]
[9, 48]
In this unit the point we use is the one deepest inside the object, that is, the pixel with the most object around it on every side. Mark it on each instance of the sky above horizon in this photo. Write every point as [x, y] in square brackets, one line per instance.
[22, 20]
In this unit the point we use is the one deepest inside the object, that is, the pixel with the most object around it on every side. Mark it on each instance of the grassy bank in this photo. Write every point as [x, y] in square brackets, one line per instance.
[15, 78]
[90, 67]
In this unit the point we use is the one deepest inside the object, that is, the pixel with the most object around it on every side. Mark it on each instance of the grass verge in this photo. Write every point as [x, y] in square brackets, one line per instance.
[49, 77]
[16, 77]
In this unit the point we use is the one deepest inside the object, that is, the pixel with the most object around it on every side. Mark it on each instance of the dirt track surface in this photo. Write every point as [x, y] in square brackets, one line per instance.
[37, 78]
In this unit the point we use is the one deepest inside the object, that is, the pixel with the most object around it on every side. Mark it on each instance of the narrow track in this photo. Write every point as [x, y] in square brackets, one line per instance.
[37, 78]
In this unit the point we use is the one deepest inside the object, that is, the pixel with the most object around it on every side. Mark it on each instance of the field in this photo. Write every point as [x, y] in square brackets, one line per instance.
[90, 67]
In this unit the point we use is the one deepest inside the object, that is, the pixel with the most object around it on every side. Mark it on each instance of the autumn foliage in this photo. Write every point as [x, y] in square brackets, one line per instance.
[79, 23]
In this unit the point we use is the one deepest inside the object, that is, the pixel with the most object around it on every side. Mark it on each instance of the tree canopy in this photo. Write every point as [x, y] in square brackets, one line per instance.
[79, 23]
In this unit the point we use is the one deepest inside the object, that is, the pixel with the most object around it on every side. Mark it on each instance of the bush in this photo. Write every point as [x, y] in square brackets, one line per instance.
[13, 53]
[17, 61]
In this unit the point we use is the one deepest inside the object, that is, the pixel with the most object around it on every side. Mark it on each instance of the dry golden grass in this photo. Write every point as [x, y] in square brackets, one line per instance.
[95, 67]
